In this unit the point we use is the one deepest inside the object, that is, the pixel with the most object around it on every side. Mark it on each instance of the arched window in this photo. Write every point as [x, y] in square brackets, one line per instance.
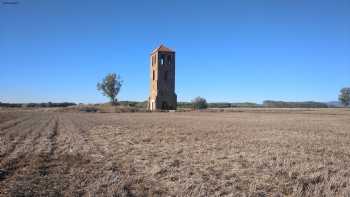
[153, 75]
[169, 59]
[162, 60]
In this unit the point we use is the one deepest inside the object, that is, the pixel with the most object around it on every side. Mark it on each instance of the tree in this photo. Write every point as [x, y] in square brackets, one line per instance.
[199, 103]
[110, 86]
[344, 96]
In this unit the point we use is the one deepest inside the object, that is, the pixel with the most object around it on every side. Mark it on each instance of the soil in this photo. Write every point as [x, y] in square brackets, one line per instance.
[243, 152]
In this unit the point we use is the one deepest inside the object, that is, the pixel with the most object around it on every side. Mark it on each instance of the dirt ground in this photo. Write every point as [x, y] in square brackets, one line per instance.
[244, 152]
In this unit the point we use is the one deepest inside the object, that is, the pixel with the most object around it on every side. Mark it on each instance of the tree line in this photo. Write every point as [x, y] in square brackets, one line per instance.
[283, 104]
[48, 104]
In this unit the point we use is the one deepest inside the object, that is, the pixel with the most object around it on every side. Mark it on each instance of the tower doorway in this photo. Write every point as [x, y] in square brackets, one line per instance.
[165, 105]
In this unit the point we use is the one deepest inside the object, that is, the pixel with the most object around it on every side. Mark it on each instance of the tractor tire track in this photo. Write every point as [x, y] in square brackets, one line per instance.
[16, 135]
[32, 155]
[22, 151]
[12, 123]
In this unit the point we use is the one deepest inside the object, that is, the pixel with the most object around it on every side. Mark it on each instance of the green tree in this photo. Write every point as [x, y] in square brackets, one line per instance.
[110, 86]
[344, 96]
[199, 103]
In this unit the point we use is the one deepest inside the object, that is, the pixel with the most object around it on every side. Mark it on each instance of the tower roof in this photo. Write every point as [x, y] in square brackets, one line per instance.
[162, 48]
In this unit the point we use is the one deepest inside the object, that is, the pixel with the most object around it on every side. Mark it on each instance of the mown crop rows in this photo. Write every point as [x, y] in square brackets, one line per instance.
[238, 153]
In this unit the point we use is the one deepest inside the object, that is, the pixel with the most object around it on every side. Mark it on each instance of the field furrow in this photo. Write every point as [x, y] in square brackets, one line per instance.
[281, 153]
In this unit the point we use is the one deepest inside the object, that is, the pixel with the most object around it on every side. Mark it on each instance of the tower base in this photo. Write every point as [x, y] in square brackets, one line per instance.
[162, 103]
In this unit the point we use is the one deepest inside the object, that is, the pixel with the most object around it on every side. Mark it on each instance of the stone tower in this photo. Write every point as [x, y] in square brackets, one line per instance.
[162, 78]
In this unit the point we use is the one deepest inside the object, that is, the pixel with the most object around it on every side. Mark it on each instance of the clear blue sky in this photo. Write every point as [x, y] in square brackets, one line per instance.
[225, 50]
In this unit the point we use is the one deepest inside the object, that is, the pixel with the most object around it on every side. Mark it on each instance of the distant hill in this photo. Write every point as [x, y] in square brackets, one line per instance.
[334, 104]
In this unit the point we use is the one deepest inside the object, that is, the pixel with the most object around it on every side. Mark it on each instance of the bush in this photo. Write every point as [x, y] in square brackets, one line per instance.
[199, 103]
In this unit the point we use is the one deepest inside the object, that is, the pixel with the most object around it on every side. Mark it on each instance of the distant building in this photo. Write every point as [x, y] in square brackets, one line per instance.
[162, 77]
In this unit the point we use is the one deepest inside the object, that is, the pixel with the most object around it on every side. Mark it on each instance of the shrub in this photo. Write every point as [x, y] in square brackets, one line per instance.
[199, 103]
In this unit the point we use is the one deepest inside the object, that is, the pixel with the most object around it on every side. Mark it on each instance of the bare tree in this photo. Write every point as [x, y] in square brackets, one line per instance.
[344, 96]
[110, 86]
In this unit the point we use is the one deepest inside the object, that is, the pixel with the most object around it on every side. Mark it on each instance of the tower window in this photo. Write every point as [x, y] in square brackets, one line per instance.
[153, 75]
[169, 59]
[162, 60]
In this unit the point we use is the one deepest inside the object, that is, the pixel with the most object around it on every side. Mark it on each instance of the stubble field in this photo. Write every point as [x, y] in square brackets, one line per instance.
[245, 152]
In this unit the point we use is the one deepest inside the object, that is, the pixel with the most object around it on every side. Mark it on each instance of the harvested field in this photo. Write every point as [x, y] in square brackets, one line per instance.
[243, 152]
